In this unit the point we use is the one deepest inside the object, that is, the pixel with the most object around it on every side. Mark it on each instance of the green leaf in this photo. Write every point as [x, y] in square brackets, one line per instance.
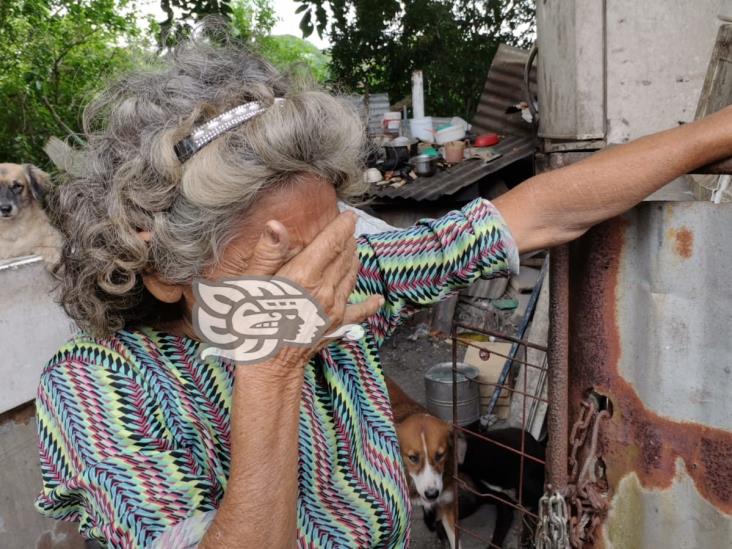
[306, 25]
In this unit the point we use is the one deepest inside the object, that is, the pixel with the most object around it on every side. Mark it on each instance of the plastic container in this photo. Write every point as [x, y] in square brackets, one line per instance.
[454, 151]
[422, 129]
[392, 123]
[450, 133]
[457, 121]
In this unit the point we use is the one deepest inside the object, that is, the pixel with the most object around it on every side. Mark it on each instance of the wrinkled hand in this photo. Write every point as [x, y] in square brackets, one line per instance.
[327, 268]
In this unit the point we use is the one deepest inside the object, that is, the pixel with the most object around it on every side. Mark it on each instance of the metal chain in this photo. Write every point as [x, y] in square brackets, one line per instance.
[586, 493]
[551, 531]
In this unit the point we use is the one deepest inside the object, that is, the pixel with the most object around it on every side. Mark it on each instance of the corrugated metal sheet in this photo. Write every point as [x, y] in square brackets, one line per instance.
[372, 108]
[651, 307]
[504, 87]
[460, 176]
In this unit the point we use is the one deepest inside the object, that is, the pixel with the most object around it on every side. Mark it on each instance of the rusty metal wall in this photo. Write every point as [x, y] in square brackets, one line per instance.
[650, 316]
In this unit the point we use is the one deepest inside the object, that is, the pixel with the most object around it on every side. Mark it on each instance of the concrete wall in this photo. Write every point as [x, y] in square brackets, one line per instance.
[21, 526]
[32, 327]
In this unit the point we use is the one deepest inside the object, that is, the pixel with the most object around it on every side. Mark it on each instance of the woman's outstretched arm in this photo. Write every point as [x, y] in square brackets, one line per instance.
[558, 206]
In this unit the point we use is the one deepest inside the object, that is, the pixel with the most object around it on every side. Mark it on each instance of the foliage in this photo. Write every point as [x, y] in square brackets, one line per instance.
[378, 43]
[53, 55]
[252, 22]
[182, 16]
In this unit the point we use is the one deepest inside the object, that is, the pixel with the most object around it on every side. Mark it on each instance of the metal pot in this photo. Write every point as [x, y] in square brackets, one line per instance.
[395, 157]
[438, 388]
[425, 166]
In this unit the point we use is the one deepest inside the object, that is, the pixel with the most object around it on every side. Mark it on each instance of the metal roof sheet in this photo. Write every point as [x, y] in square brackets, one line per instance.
[453, 179]
[372, 108]
[504, 87]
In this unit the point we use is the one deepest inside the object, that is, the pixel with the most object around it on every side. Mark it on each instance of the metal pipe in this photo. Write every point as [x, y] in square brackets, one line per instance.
[558, 390]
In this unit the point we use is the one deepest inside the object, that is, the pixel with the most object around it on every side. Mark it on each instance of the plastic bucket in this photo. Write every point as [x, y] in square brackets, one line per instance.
[421, 128]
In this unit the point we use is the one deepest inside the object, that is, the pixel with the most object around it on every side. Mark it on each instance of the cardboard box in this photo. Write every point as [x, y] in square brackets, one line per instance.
[490, 368]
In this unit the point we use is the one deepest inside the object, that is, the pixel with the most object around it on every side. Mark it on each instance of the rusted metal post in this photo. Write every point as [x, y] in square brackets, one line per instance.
[455, 461]
[558, 390]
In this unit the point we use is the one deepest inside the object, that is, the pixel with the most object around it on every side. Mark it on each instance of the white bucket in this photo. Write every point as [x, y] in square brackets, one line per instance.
[422, 129]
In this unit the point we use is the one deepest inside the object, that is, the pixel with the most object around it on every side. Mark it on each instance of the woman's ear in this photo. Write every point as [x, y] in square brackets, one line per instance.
[162, 291]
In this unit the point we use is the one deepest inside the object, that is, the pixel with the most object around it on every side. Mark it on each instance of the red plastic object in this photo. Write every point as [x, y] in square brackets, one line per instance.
[486, 140]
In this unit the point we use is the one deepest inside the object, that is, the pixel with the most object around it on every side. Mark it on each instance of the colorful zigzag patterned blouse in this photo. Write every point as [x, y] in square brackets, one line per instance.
[134, 429]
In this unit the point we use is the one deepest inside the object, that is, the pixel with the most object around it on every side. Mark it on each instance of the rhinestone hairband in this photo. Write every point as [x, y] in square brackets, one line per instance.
[204, 134]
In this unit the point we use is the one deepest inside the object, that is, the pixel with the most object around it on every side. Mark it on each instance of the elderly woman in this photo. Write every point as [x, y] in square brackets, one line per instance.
[146, 443]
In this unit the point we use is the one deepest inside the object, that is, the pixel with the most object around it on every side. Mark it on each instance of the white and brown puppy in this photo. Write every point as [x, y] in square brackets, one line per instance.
[427, 454]
[24, 226]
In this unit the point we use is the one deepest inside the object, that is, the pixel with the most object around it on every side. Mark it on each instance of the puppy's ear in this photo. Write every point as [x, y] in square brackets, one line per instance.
[38, 180]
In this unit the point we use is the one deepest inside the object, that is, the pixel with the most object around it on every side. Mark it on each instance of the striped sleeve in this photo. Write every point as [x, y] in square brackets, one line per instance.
[107, 457]
[425, 263]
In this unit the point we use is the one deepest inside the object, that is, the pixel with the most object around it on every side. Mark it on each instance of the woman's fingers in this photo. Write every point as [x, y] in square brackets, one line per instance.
[357, 313]
[344, 286]
[341, 267]
[272, 250]
[330, 243]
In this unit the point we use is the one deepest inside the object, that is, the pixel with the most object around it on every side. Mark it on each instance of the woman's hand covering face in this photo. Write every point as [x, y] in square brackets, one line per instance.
[326, 268]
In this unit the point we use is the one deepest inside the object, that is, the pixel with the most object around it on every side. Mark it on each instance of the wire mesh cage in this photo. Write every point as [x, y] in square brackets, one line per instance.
[499, 459]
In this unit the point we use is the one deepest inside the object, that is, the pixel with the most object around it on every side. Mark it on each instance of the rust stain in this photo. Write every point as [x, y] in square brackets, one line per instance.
[635, 438]
[683, 240]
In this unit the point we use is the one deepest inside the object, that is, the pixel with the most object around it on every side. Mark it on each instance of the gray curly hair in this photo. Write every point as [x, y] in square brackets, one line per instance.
[130, 179]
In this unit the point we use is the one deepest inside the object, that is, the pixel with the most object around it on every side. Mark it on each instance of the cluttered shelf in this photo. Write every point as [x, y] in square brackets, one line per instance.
[451, 178]
[424, 158]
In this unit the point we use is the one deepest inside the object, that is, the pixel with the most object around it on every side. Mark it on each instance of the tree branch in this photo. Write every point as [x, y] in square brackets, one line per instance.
[60, 122]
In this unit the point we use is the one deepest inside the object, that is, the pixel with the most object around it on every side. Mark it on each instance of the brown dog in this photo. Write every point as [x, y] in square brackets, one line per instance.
[24, 226]
[427, 454]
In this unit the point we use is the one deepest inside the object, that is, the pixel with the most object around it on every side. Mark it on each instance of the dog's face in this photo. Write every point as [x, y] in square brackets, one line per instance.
[425, 443]
[20, 186]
